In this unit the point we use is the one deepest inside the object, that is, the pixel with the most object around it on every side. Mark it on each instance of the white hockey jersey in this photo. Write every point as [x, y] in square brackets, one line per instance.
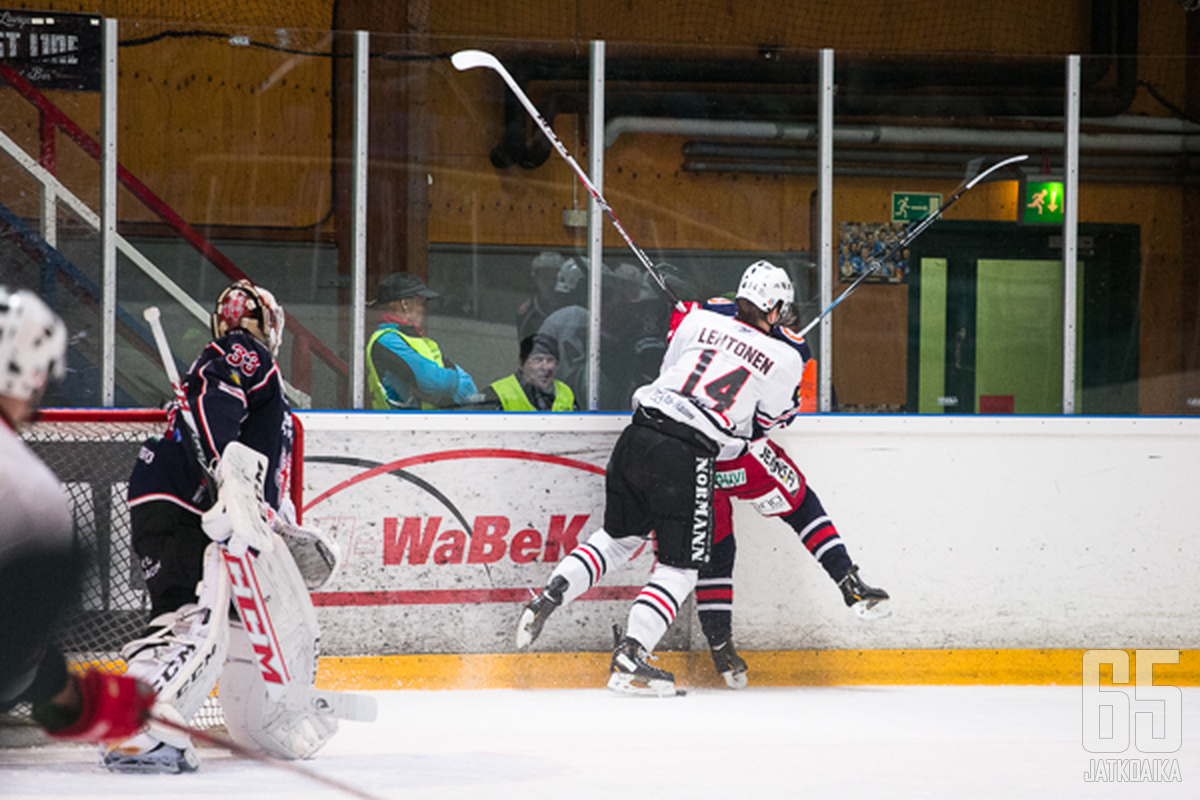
[726, 379]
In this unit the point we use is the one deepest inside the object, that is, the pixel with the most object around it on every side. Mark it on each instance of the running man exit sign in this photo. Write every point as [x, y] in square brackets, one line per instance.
[1041, 200]
[912, 206]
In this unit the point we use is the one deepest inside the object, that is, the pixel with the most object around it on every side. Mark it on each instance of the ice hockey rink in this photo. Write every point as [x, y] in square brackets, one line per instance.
[829, 742]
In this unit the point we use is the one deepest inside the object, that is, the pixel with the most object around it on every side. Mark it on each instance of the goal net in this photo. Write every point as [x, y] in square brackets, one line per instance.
[92, 451]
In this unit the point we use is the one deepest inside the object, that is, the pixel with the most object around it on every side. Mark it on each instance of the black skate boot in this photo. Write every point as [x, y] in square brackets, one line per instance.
[529, 626]
[630, 674]
[730, 665]
[866, 601]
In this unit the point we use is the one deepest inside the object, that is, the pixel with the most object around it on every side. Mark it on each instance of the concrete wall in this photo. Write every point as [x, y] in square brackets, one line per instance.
[989, 532]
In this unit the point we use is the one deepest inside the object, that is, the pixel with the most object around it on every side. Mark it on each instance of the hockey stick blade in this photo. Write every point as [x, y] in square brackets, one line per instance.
[339, 705]
[245, 752]
[464, 60]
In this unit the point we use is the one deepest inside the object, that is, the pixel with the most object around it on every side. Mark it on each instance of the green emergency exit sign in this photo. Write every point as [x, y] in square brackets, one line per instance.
[1042, 201]
[910, 206]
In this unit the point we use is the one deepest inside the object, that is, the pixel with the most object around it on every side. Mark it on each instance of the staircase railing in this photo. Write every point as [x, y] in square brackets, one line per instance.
[51, 118]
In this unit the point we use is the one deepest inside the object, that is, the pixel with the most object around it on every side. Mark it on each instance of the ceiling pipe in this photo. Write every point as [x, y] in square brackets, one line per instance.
[905, 135]
[898, 87]
[782, 153]
[755, 168]
[781, 159]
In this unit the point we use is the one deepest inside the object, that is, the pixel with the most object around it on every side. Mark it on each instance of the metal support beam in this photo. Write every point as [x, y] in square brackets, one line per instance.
[358, 222]
[1070, 232]
[595, 221]
[825, 227]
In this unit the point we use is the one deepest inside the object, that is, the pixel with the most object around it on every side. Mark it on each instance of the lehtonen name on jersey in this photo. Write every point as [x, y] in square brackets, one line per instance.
[732, 344]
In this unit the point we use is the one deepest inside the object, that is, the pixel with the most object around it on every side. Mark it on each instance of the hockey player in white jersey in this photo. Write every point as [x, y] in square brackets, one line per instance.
[723, 383]
[39, 568]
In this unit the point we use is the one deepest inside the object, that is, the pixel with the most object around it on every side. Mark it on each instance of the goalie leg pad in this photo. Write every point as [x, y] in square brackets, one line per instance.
[181, 657]
[183, 654]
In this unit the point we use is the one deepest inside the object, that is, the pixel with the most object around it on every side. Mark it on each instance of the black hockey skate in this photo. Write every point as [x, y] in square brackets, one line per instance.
[866, 601]
[529, 626]
[730, 665]
[630, 674]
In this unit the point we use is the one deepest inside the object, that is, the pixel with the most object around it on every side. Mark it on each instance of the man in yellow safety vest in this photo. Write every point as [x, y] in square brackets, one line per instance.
[406, 368]
[532, 387]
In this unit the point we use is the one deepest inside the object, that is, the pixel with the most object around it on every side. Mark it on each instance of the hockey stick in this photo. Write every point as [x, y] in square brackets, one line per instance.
[246, 752]
[470, 59]
[911, 234]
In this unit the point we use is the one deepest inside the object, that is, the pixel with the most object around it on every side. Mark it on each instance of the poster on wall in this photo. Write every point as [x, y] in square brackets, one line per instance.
[52, 50]
[862, 244]
[446, 534]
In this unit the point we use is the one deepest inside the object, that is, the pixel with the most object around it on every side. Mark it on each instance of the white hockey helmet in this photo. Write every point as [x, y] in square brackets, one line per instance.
[570, 274]
[33, 345]
[251, 308]
[766, 286]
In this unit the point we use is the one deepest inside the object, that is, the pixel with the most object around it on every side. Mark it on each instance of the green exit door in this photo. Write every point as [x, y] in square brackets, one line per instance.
[986, 320]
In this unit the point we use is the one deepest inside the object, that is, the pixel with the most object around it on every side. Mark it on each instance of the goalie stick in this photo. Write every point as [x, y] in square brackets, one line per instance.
[154, 317]
[471, 59]
[911, 234]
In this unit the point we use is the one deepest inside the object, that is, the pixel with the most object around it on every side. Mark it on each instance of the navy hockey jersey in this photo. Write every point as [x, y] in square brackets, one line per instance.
[236, 393]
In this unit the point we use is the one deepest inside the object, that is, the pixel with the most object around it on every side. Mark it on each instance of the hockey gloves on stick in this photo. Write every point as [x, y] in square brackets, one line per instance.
[110, 708]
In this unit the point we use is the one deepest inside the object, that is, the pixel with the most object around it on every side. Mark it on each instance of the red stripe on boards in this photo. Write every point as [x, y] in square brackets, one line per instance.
[421, 597]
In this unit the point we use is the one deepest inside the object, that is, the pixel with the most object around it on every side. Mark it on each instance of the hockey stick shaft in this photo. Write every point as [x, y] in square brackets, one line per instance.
[470, 59]
[154, 317]
[910, 235]
[246, 752]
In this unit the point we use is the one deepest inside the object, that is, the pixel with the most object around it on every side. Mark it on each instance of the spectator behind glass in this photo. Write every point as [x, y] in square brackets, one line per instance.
[405, 368]
[532, 387]
[569, 324]
[544, 301]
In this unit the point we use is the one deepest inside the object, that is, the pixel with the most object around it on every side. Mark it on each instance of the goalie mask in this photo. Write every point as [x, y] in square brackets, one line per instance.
[252, 309]
[33, 345]
[767, 287]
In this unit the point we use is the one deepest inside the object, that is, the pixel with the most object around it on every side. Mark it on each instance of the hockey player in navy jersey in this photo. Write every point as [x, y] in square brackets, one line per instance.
[767, 478]
[235, 393]
[723, 383]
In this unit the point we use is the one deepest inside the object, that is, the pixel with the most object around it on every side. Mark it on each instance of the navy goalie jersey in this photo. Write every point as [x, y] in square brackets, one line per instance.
[236, 393]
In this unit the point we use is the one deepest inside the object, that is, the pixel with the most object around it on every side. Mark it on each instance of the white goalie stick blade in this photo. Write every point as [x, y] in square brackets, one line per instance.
[339, 705]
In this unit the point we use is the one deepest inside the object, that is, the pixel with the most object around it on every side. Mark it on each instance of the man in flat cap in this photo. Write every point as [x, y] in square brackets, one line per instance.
[532, 387]
[406, 368]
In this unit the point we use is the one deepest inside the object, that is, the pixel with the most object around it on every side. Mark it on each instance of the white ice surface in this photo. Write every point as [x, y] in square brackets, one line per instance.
[873, 743]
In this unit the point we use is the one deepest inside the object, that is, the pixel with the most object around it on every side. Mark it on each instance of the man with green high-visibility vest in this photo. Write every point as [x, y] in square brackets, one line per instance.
[406, 369]
[532, 387]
